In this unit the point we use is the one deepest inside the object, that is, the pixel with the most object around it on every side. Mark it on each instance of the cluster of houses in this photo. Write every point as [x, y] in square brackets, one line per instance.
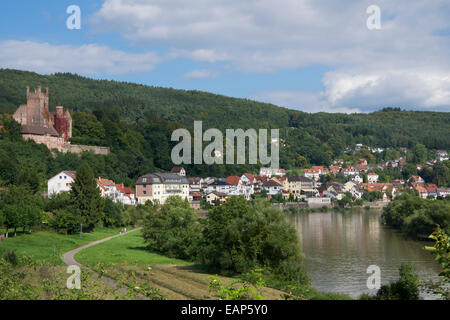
[62, 182]
[270, 182]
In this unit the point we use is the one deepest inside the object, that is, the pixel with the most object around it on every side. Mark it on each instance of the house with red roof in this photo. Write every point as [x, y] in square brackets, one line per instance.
[362, 161]
[126, 195]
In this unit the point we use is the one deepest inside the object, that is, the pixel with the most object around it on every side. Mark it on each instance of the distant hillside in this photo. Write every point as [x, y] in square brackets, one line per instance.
[136, 121]
[383, 128]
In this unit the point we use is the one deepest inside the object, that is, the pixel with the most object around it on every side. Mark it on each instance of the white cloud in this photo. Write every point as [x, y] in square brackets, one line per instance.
[200, 74]
[88, 59]
[404, 63]
[306, 101]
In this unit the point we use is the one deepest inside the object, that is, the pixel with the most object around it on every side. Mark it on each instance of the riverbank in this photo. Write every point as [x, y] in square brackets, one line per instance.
[127, 261]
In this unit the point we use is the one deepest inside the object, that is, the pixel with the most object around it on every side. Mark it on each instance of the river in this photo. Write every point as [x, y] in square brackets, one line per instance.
[340, 246]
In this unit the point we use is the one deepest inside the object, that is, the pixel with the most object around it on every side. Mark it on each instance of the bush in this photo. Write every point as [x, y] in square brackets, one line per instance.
[406, 288]
[417, 217]
[172, 229]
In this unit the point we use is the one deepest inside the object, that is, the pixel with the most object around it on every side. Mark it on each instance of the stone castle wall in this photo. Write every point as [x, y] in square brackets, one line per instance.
[51, 142]
[73, 148]
[59, 144]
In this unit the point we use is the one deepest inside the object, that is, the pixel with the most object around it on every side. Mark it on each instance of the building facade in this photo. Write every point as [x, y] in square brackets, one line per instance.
[158, 187]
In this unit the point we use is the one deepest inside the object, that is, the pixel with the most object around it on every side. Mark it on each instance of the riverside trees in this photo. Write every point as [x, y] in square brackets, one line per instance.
[236, 238]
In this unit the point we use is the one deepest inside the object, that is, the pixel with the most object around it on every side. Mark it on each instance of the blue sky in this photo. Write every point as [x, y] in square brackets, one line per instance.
[312, 55]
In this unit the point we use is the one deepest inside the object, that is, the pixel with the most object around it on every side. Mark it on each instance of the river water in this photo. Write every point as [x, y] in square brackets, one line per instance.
[340, 246]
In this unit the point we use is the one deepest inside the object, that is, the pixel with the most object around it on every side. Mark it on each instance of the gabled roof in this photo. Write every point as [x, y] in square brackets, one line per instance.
[271, 183]
[161, 178]
[233, 180]
[177, 169]
[124, 190]
[71, 174]
[250, 177]
[38, 130]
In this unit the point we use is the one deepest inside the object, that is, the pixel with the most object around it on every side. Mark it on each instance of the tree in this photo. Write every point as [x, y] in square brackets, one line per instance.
[86, 198]
[113, 214]
[172, 229]
[65, 222]
[12, 218]
[240, 236]
[441, 250]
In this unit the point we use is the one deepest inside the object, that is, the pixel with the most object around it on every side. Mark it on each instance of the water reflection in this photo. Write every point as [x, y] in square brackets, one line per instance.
[340, 246]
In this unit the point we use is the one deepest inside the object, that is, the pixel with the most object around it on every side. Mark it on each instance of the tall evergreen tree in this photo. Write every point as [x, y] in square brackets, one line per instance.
[86, 198]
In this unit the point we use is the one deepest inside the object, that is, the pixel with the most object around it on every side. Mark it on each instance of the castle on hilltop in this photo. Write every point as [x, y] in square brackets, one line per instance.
[54, 129]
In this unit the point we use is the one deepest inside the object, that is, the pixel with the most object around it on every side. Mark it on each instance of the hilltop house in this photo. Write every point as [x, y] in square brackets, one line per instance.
[442, 155]
[372, 177]
[350, 172]
[269, 172]
[160, 186]
[179, 171]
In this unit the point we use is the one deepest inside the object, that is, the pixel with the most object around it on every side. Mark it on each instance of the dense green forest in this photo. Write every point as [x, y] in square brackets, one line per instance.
[137, 121]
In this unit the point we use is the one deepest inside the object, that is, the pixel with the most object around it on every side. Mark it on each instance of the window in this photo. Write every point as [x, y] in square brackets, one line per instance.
[144, 180]
[145, 192]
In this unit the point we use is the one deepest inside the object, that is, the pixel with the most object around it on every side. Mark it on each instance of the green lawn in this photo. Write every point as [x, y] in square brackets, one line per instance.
[49, 246]
[126, 250]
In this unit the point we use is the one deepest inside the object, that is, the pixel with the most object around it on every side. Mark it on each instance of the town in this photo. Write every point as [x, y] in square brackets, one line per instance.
[317, 187]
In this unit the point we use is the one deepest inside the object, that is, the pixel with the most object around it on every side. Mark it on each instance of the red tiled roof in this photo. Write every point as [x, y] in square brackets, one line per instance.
[71, 174]
[233, 180]
[250, 177]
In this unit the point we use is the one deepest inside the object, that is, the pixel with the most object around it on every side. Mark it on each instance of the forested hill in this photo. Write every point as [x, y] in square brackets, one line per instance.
[383, 128]
[136, 121]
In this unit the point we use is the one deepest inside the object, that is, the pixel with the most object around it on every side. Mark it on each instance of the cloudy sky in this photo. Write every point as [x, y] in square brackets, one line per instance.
[312, 55]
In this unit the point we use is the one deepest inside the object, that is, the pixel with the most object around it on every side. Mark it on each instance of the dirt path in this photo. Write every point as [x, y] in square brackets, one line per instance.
[69, 259]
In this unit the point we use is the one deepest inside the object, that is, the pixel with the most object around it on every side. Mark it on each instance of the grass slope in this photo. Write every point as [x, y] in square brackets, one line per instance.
[126, 250]
[49, 246]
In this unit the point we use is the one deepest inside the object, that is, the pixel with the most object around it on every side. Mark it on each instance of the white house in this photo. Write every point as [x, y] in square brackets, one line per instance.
[272, 187]
[358, 179]
[179, 171]
[350, 172]
[443, 192]
[62, 182]
[442, 155]
[372, 177]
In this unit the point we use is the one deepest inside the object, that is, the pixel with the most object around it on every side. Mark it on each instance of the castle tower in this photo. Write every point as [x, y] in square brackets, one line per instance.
[37, 112]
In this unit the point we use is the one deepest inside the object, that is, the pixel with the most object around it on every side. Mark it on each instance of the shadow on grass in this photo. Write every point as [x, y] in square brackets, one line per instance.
[140, 249]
